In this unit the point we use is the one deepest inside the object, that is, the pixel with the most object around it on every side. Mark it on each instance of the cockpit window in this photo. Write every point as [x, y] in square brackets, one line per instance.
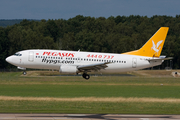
[18, 54]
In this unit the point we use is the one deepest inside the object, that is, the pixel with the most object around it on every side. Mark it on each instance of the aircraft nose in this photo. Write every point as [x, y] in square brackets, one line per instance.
[9, 59]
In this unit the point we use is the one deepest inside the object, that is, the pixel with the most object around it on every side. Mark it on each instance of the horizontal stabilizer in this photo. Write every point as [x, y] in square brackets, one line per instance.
[156, 59]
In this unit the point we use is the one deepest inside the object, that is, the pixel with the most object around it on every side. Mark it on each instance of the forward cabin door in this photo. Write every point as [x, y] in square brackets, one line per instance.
[31, 56]
[134, 62]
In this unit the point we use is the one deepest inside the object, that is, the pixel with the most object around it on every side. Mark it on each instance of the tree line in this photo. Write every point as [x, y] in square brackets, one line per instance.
[10, 22]
[111, 35]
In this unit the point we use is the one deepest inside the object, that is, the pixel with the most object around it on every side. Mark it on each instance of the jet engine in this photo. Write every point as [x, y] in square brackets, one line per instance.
[68, 69]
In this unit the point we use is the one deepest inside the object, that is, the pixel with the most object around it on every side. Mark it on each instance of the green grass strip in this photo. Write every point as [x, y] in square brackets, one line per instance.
[88, 107]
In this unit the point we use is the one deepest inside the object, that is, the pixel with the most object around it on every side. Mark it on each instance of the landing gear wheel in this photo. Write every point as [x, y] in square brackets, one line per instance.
[24, 73]
[85, 76]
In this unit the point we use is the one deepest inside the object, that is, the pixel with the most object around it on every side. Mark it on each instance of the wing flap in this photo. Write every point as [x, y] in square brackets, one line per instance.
[95, 67]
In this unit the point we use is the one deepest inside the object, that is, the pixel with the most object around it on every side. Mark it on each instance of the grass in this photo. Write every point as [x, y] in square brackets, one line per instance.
[70, 87]
[88, 107]
[70, 91]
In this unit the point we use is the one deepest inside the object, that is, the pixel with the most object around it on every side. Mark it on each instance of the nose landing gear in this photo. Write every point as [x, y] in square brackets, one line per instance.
[24, 70]
[24, 73]
[85, 76]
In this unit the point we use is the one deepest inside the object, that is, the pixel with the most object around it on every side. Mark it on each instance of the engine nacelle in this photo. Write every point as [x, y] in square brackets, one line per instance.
[68, 69]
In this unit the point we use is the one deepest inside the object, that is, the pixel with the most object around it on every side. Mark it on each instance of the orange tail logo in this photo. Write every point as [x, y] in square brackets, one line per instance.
[153, 47]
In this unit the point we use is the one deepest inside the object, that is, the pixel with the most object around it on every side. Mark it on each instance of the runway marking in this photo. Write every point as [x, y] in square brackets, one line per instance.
[91, 99]
[85, 117]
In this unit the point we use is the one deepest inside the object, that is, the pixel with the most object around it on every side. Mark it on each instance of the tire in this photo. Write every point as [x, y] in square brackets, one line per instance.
[85, 76]
[24, 73]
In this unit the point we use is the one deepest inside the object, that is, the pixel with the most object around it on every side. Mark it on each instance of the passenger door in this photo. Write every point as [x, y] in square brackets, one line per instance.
[134, 62]
[31, 56]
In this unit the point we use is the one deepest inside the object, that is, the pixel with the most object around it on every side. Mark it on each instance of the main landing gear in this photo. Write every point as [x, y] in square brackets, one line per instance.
[85, 76]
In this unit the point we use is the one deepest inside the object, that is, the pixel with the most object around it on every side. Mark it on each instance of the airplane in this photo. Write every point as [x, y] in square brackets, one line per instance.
[83, 62]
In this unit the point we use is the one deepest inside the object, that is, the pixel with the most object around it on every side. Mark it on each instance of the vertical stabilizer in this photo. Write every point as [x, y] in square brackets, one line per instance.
[153, 47]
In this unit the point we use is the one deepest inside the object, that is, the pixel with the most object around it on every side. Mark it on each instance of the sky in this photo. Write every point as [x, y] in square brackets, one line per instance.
[66, 9]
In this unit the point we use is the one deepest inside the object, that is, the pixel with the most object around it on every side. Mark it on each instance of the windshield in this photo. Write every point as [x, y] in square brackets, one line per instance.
[18, 54]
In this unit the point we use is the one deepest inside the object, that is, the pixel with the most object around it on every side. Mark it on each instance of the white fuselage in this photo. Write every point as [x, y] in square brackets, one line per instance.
[54, 59]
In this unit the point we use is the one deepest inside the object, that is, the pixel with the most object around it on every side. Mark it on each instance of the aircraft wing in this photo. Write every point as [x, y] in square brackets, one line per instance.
[156, 59]
[94, 67]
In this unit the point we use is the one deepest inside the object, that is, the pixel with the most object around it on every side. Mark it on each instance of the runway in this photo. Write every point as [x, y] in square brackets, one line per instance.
[86, 117]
